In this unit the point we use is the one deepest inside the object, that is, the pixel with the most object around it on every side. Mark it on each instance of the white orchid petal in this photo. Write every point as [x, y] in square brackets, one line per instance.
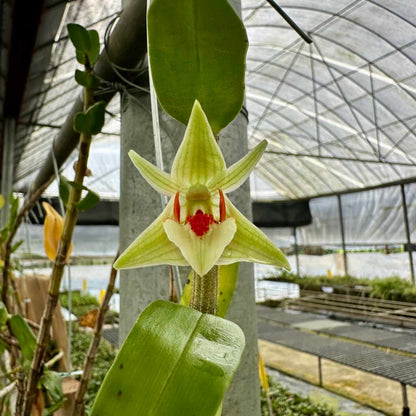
[202, 253]
[199, 156]
[156, 178]
[250, 244]
[237, 173]
[152, 247]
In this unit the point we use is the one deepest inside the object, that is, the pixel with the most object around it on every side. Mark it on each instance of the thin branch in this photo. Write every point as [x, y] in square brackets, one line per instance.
[173, 294]
[20, 393]
[8, 389]
[92, 351]
[9, 340]
[58, 266]
[54, 359]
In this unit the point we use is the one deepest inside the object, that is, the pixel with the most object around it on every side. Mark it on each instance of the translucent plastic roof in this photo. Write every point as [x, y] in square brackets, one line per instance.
[339, 114]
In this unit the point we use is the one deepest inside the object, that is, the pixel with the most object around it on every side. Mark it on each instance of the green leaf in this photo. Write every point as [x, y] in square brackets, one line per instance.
[93, 51]
[87, 79]
[81, 57]
[3, 314]
[52, 409]
[92, 121]
[79, 37]
[227, 281]
[199, 54]
[52, 382]
[24, 335]
[14, 206]
[86, 42]
[16, 245]
[4, 233]
[89, 201]
[64, 189]
[175, 361]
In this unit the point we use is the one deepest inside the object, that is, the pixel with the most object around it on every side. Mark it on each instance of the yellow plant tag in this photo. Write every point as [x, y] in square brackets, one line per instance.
[263, 375]
[52, 231]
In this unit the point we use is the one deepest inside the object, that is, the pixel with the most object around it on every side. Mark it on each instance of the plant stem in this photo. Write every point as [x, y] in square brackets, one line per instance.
[204, 296]
[173, 294]
[92, 350]
[58, 266]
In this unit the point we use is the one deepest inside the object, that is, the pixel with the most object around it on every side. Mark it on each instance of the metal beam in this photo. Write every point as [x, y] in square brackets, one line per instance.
[295, 235]
[407, 230]
[126, 47]
[291, 23]
[355, 190]
[341, 225]
[339, 158]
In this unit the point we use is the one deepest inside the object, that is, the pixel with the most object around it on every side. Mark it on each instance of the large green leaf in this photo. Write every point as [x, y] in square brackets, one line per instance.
[197, 50]
[175, 361]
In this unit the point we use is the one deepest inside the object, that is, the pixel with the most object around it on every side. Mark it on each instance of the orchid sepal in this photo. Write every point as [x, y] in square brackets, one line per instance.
[237, 173]
[155, 177]
[199, 155]
[250, 244]
[152, 246]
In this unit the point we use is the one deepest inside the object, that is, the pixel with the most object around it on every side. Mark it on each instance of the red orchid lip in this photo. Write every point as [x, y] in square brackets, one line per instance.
[200, 222]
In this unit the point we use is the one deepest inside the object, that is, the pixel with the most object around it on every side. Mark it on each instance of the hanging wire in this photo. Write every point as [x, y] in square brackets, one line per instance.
[158, 145]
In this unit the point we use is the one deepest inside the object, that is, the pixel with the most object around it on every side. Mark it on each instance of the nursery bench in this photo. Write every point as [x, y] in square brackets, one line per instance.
[396, 367]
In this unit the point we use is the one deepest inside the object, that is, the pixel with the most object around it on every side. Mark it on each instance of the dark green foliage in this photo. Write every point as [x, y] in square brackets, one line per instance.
[389, 288]
[105, 357]
[87, 79]
[64, 189]
[286, 403]
[81, 303]
[86, 42]
[51, 381]
[89, 201]
[92, 121]
[393, 288]
[24, 335]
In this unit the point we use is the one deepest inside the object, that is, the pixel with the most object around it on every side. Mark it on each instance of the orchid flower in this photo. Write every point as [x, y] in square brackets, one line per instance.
[200, 226]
